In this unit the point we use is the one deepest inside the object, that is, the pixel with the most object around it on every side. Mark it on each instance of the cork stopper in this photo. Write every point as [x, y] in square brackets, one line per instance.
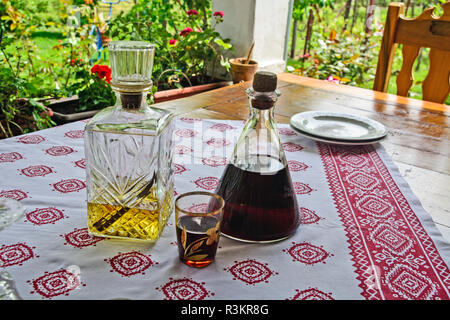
[264, 81]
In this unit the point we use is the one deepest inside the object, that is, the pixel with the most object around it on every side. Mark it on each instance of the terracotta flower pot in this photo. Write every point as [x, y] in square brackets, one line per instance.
[242, 72]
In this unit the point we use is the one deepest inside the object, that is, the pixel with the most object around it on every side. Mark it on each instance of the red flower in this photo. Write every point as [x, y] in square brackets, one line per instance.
[305, 56]
[185, 32]
[332, 79]
[192, 12]
[103, 72]
[219, 13]
[172, 41]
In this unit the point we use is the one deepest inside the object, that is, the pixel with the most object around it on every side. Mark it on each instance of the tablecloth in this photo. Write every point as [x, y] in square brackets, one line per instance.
[364, 235]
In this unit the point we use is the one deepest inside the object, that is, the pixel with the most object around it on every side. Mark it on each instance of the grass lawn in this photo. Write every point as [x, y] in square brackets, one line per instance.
[45, 41]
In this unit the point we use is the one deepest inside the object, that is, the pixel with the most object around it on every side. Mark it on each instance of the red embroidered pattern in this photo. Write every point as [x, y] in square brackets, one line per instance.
[59, 151]
[31, 139]
[287, 132]
[222, 127]
[36, 171]
[45, 216]
[13, 194]
[199, 208]
[250, 271]
[218, 142]
[81, 163]
[214, 161]
[53, 284]
[10, 157]
[208, 183]
[15, 254]
[80, 238]
[74, 134]
[180, 149]
[302, 188]
[295, 166]
[189, 120]
[311, 294]
[69, 185]
[130, 263]
[307, 253]
[308, 216]
[185, 133]
[393, 255]
[178, 168]
[291, 147]
[184, 289]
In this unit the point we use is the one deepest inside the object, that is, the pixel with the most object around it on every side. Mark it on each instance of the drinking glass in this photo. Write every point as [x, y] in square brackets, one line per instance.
[10, 211]
[198, 217]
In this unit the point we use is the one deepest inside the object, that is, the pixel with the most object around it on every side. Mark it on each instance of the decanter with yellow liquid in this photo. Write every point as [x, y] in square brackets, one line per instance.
[129, 152]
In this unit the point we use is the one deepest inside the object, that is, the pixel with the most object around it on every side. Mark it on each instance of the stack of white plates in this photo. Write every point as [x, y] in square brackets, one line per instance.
[338, 128]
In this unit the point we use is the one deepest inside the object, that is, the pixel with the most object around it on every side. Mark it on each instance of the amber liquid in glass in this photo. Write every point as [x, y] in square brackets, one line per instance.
[197, 251]
[123, 222]
[259, 207]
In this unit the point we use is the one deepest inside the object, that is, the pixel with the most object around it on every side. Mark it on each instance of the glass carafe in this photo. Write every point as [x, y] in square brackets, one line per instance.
[129, 152]
[260, 202]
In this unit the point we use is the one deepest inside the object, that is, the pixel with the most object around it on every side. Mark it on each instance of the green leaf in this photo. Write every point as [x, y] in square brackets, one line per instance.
[223, 44]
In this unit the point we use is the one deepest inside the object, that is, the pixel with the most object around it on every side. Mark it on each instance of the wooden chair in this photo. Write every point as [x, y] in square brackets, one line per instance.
[426, 31]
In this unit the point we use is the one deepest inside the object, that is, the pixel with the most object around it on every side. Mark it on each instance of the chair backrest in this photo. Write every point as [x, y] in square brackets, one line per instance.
[426, 31]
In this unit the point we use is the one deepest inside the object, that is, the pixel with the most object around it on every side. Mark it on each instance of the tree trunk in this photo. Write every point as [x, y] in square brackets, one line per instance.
[308, 31]
[355, 14]
[369, 16]
[348, 6]
[294, 38]
[408, 2]
[419, 60]
[369, 20]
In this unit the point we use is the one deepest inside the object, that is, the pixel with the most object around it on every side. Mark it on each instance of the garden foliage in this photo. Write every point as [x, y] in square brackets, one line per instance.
[187, 47]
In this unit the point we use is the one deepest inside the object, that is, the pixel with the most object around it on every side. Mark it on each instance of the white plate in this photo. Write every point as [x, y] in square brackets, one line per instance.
[341, 142]
[338, 126]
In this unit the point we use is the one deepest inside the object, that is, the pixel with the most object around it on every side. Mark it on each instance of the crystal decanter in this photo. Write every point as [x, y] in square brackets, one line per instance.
[260, 202]
[129, 152]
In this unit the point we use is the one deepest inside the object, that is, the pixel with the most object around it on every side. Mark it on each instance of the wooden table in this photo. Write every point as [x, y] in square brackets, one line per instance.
[419, 131]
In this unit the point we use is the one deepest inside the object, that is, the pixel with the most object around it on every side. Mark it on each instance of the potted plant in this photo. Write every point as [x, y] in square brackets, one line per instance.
[91, 93]
[188, 48]
[243, 69]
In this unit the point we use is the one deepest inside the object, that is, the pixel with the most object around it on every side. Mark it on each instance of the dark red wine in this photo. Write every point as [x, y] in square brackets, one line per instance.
[258, 207]
[196, 248]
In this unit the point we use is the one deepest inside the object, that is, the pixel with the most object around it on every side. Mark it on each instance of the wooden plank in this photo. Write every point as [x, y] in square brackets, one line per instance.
[301, 98]
[388, 46]
[209, 114]
[435, 198]
[436, 85]
[296, 99]
[405, 76]
[417, 136]
[418, 158]
[407, 145]
[424, 33]
[365, 94]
